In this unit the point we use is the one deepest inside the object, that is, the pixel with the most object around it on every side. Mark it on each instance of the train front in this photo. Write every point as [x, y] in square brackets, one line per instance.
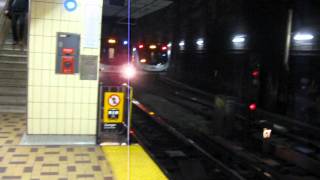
[151, 57]
[116, 66]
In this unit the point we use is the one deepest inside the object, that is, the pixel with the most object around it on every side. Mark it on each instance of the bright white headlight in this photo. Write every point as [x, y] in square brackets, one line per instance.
[128, 71]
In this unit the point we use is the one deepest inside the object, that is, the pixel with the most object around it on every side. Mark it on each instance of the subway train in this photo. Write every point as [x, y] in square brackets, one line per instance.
[117, 67]
[151, 57]
[147, 57]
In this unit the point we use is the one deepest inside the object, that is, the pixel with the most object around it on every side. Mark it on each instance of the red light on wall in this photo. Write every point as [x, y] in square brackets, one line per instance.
[253, 106]
[164, 48]
[141, 46]
[132, 132]
[255, 73]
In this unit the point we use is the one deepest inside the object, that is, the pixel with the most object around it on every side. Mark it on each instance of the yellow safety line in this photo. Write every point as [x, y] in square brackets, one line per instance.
[142, 167]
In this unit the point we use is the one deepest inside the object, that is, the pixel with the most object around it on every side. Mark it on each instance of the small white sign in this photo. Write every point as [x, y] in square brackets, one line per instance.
[114, 100]
[266, 133]
[92, 20]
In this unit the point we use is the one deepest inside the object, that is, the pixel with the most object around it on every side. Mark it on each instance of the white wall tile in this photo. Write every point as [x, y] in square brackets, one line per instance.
[61, 110]
[69, 111]
[38, 27]
[53, 94]
[61, 95]
[36, 94]
[44, 110]
[61, 126]
[36, 110]
[92, 127]
[69, 95]
[84, 111]
[92, 111]
[36, 126]
[52, 126]
[68, 124]
[44, 126]
[76, 111]
[57, 104]
[44, 95]
[52, 114]
[76, 127]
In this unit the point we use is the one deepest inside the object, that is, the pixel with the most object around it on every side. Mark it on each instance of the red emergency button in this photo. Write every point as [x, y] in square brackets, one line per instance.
[67, 51]
[67, 65]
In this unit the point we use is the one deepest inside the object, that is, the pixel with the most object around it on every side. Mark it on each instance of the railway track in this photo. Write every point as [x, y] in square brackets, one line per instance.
[278, 165]
[248, 165]
[179, 157]
[218, 160]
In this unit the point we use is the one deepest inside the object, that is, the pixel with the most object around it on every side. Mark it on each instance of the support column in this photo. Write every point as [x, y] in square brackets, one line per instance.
[61, 104]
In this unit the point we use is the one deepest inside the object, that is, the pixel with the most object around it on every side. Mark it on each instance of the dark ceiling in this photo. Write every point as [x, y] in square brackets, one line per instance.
[139, 8]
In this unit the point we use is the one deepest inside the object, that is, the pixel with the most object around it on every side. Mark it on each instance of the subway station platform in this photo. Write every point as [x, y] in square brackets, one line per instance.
[68, 162]
[46, 162]
[139, 167]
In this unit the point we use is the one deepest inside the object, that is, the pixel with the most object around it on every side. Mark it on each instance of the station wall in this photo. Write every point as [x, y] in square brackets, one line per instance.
[59, 104]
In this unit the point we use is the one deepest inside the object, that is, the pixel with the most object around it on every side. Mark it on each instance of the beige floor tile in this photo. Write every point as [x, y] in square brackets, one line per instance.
[46, 162]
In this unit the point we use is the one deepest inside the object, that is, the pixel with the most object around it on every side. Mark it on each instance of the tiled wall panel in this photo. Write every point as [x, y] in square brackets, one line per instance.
[58, 104]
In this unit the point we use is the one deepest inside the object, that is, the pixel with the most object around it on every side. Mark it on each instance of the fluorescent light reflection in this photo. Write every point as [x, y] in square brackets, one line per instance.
[200, 42]
[182, 43]
[239, 39]
[303, 37]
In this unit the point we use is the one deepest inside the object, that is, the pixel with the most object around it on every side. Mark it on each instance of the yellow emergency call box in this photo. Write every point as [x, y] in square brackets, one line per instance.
[113, 112]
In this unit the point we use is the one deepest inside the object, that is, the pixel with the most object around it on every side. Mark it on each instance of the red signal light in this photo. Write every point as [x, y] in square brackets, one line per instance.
[141, 46]
[164, 48]
[132, 132]
[253, 107]
[255, 73]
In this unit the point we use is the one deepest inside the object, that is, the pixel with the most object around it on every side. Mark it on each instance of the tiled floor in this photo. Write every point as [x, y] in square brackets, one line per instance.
[46, 162]
[12, 127]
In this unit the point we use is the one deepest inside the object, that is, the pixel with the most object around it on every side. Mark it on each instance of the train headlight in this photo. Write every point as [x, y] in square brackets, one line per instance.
[143, 60]
[128, 71]
[238, 39]
[153, 47]
[112, 41]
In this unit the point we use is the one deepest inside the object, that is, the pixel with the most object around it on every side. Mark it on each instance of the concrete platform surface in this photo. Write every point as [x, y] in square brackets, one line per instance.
[57, 140]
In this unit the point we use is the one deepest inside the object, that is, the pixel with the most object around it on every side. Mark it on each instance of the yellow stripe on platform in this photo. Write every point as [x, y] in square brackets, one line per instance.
[142, 167]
